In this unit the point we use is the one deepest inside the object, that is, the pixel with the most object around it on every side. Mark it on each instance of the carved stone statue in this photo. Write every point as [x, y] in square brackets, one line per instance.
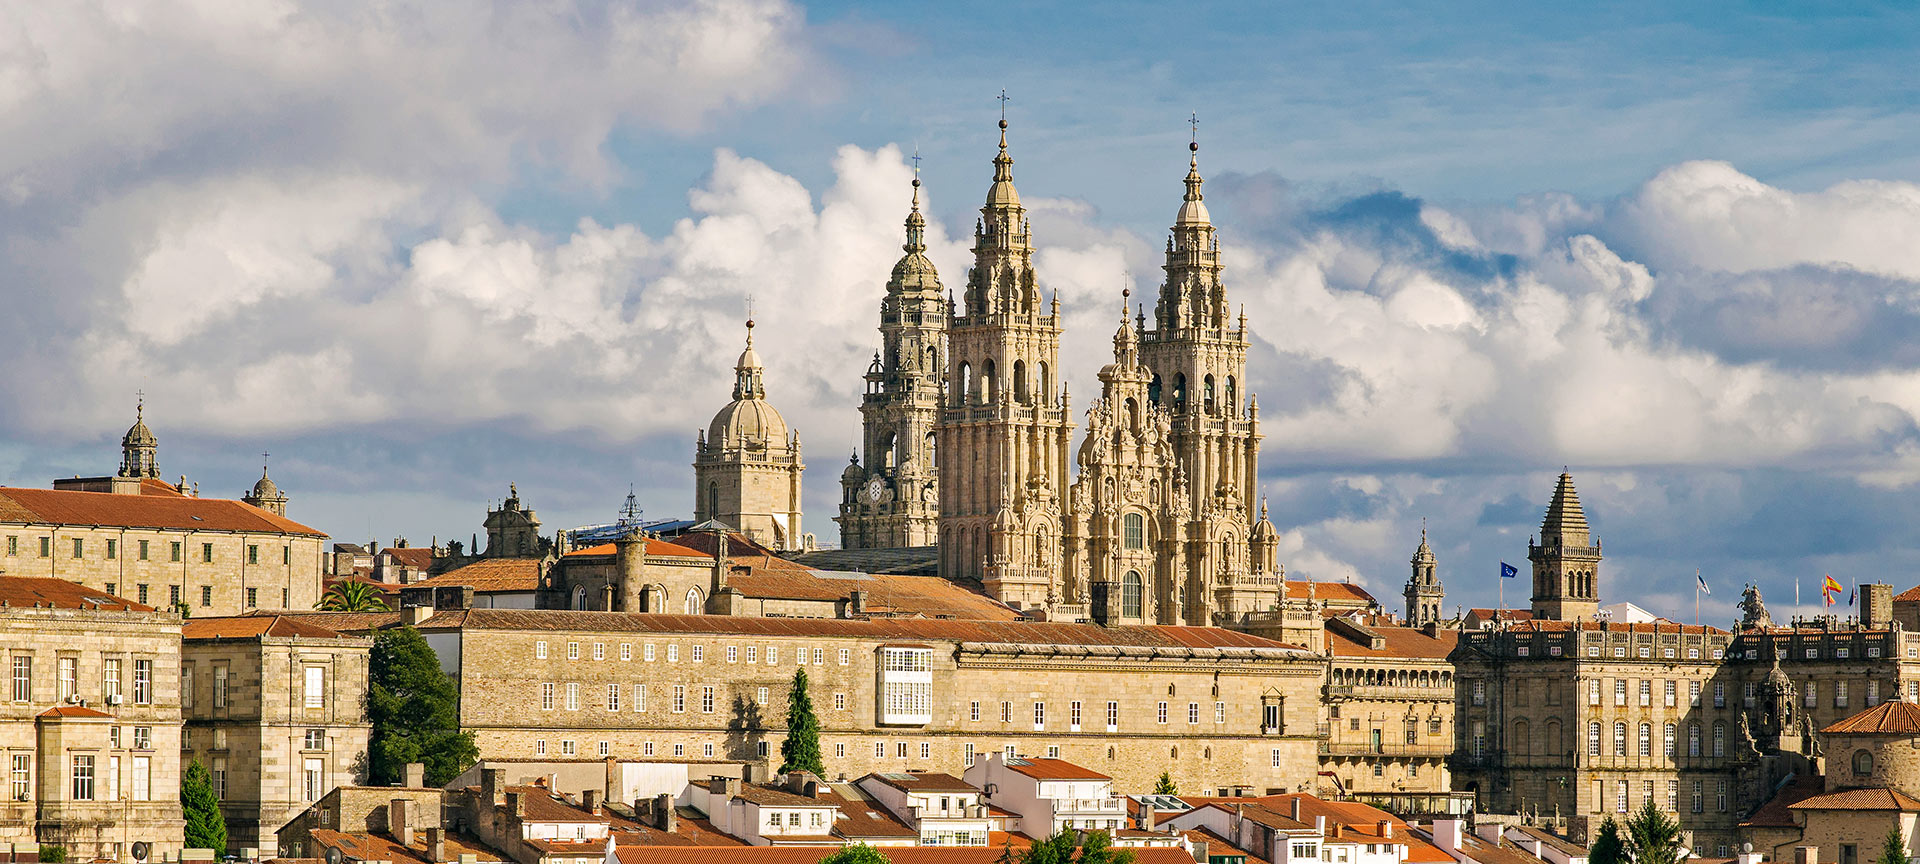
[1753, 611]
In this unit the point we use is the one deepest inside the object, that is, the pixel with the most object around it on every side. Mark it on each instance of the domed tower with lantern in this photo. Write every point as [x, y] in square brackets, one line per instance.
[747, 466]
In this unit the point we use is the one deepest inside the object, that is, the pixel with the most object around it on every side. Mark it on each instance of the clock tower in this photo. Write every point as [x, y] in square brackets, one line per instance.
[893, 499]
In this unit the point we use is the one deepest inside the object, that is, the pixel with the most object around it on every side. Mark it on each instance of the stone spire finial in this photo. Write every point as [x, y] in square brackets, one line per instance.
[747, 372]
[1192, 210]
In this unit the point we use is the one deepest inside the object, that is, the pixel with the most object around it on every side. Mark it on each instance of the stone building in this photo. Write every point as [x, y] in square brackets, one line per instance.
[747, 466]
[90, 728]
[275, 708]
[894, 500]
[156, 543]
[1219, 710]
[1390, 713]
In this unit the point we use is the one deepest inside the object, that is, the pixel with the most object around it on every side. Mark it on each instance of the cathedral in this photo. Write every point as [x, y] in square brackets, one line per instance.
[968, 428]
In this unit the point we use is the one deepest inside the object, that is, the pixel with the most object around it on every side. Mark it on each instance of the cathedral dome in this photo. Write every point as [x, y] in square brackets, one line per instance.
[138, 435]
[751, 422]
[915, 272]
[265, 488]
[1001, 193]
[1193, 209]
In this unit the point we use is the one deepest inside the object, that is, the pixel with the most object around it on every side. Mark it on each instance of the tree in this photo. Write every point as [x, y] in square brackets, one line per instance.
[1607, 848]
[206, 828]
[858, 853]
[1895, 850]
[352, 596]
[51, 854]
[1097, 848]
[1057, 849]
[1652, 838]
[414, 710]
[800, 751]
[1164, 785]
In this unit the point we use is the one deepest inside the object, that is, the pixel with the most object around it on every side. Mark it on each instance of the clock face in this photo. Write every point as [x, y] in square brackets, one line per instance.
[876, 490]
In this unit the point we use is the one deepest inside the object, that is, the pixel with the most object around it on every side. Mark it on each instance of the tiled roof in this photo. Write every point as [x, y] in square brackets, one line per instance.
[767, 796]
[72, 711]
[344, 622]
[1886, 718]
[813, 854]
[1264, 815]
[1338, 592]
[537, 804]
[1483, 852]
[1218, 845]
[688, 830]
[910, 560]
[1859, 799]
[1778, 811]
[374, 847]
[417, 557]
[1054, 769]
[859, 819]
[1552, 840]
[490, 574]
[56, 507]
[61, 594]
[1003, 632]
[655, 546]
[1502, 614]
[254, 626]
[1544, 626]
[922, 781]
[1908, 596]
[929, 596]
[738, 544]
[1400, 642]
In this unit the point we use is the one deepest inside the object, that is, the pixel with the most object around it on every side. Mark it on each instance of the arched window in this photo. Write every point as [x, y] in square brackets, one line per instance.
[713, 500]
[1551, 745]
[1646, 739]
[1593, 739]
[1133, 414]
[1135, 531]
[1693, 739]
[965, 390]
[1862, 763]
[579, 597]
[1521, 743]
[1620, 739]
[695, 604]
[933, 453]
[1045, 390]
[1207, 394]
[887, 457]
[1180, 391]
[1020, 381]
[989, 391]
[1233, 398]
[1719, 739]
[1130, 595]
[1669, 739]
[1153, 390]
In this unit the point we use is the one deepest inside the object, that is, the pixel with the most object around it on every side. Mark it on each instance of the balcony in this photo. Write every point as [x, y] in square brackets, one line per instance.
[1088, 807]
[1385, 750]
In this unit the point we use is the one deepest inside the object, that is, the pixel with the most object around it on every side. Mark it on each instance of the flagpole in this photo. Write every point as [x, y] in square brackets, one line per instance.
[1696, 596]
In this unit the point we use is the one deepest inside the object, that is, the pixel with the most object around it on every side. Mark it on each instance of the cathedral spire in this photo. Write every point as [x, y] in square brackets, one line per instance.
[1002, 194]
[1192, 209]
[1565, 519]
[139, 450]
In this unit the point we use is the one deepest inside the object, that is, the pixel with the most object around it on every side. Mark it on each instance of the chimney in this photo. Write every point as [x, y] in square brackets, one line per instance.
[1147, 821]
[1320, 824]
[416, 775]
[436, 845]
[590, 801]
[1432, 629]
[1296, 808]
[1876, 606]
[418, 614]
[1446, 834]
[400, 821]
[1806, 855]
[856, 602]
[1490, 831]
[1386, 829]
[493, 785]
[1338, 829]
[663, 813]
[514, 805]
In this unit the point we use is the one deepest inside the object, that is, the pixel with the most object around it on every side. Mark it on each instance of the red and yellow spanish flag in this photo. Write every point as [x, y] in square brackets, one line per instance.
[1829, 588]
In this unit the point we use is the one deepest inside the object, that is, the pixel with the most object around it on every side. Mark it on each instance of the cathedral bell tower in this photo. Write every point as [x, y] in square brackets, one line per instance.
[1197, 356]
[1004, 426]
[1425, 594]
[894, 499]
[139, 450]
[1566, 563]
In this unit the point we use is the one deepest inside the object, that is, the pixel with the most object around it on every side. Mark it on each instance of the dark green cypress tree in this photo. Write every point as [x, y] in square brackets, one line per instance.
[206, 828]
[801, 749]
[1895, 849]
[1607, 846]
[415, 711]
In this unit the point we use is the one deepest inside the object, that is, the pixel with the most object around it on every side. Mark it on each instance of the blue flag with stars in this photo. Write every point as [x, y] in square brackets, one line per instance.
[1507, 571]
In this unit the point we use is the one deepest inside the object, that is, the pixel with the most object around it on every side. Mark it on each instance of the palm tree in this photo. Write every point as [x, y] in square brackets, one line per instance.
[352, 596]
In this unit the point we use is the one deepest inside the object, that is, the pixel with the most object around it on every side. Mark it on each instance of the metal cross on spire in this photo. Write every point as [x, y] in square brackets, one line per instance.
[916, 161]
[263, 461]
[1193, 119]
[1004, 98]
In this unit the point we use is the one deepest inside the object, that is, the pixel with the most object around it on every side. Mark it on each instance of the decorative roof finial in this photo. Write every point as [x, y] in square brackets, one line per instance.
[1193, 146]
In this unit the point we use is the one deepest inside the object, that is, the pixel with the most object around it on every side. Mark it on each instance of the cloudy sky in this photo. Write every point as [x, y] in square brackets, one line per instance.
[419, 250]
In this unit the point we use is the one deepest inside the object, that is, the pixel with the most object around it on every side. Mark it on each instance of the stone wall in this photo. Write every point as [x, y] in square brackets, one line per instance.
[282, 571]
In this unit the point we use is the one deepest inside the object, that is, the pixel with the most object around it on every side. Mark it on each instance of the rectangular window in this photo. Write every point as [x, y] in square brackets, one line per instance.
[613, 697]
[760, 696]
[46, 547]
[219, 686]
[82, 778]
[173, 595]
[1006, 712]
[110, 679]
[699, 653]
[1812, 696]
[733, 654]
[1039, 716]
[540, 650]
[206, 556]
[286, 554]
[1646, 694]
[1193, 713]
[839, 701]
[13, 546]
[879, 749]
[1619, 692]
[900, 749]
[606, 748]
[639, 698]
[646, 652]
[1673, 795]
[1593, 691]
[1274, 757]
[23, 777]
[626, 652]
[1113, 716]
[1698, 805]
[1621, 796]
[173, 551]
[1839, 694]
[706, 699]
[143, 594]
[143, 779]
[599, 650]
[79, 547]
[143, 737]
[206, 596]
[1073, 715]
[546, 696]
[773, 656]
[313, 775]
[753, 654]
[1721, 797]
[1160, 714]
[646, 749]
[1719, 694]
[540, 747]
[69, 671]
[566, 747]
[316, 687]
[143, 550]
[1873, 693]
[679, 698]
[973, 708]
[113, 778]
[253, 553]
[1219, 712]
[573, 650]
[573, 696]
[966, 754]
[22, 678]
[253, 598]
[1693, 694]
[113, 549]
[316, 739]
[1479, 692]
[819, 653]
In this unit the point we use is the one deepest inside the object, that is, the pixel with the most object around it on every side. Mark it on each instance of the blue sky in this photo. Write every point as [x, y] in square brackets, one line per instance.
[420, 250]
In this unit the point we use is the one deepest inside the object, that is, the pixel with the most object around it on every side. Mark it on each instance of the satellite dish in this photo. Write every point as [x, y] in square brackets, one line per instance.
[333, 855]
[1746, 847]
[141, 850]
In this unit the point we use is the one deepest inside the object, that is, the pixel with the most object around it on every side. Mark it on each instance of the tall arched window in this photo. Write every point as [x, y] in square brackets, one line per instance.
[695, 604]
[1020, 381]
[1593, 739]
[713, 500]
[1521, 743]
[1862, 763]
[933, 453]
[965, 389]
[1693, 739]
[579, 597]
[1153, 390]
[1045, 390]
[1233, 397]
[1207, 393]
[1135, 531]
[989, 388]
[1646, 739]
[1130, 595]
[1180, 391]
[1669, 739]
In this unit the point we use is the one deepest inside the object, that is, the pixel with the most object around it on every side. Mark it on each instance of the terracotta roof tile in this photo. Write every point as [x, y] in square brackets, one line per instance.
[1054, 769]
[928, 596]
[375, 847]
[922, 781]
[1400, 642]
[813, 854]
[344, 622]
[1859, 799]
[72, 711]
[58, 507]
[1501, 614]
[538, 804]
[1908, 596]
[1778, 811]
[417, 557]
[655, 546]
[61, 594]
[769, 796]
[1887, 718]
[1088, 636]
[254, 626]
[1339, 592]
[489, 574]
[1218, 845]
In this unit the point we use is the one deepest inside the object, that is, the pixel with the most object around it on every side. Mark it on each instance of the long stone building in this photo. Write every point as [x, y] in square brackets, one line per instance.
[1220, 711]
[137, 536]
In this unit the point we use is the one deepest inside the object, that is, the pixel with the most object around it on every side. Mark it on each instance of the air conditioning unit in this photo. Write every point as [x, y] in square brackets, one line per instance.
[73, 698]
[114, 699]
